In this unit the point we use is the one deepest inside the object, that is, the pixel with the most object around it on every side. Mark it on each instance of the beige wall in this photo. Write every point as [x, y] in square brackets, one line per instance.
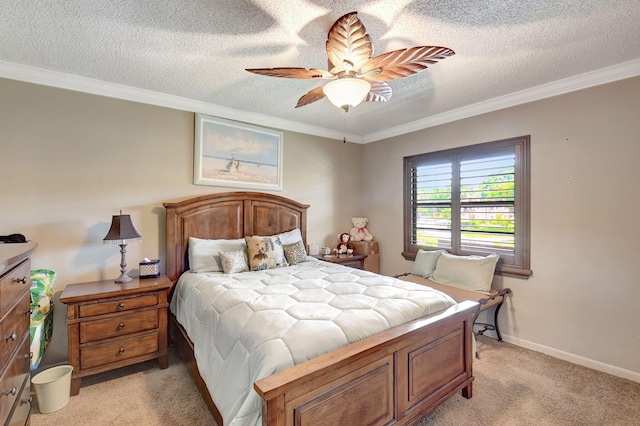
[71, 160]
[581, 303]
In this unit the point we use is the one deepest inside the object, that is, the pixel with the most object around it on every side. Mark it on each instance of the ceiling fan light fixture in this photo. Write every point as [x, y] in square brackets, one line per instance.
[346, 92]
[355, 75]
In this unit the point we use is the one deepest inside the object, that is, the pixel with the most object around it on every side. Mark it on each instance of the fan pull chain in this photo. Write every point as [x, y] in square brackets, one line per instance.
[344, 127]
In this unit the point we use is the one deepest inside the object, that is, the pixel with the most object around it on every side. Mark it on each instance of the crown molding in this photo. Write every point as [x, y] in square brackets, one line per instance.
[77, 83]
[581, 81]
[57, 79]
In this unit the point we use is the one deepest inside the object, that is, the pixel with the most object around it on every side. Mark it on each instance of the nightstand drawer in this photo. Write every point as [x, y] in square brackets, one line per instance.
[14, 326]
[95, 356]
[119, 305]
[118, 326]
[353, 264]
[16, 281]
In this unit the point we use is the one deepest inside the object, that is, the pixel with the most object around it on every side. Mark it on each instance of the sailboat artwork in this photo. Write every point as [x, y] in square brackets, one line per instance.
[234, 154]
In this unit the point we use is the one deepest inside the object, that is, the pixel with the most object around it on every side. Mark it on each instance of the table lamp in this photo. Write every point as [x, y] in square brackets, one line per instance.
[121, 232]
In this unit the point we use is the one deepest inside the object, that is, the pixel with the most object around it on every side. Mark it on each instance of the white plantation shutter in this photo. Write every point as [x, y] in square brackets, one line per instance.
[471, 200]
[487, 204]
[431, 219]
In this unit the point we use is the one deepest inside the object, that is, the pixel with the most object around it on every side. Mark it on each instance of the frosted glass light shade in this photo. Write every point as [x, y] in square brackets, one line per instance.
[346, 92]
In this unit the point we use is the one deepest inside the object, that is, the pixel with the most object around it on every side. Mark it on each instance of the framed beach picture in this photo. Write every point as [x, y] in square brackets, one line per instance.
[234, 154]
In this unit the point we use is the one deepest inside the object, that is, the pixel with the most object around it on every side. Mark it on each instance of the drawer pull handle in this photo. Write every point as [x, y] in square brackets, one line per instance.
[121, 350]
[13, 337]
[30, 355]
[22, 280]
[12, 392]
[121, 306]
[121, 325]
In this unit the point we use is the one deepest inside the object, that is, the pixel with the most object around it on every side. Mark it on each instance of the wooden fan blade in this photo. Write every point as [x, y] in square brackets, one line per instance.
[303, 73]
[380, 92]
[403, 62]
[348, 42]
[310, 97]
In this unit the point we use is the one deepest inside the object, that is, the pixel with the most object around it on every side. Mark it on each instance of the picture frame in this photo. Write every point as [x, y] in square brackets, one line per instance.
[237, 155]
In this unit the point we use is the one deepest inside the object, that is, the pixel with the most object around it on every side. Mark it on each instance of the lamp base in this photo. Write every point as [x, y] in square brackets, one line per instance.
[123, 278]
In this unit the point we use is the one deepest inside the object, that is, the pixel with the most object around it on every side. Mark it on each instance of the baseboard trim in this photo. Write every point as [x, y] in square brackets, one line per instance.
[573, 358]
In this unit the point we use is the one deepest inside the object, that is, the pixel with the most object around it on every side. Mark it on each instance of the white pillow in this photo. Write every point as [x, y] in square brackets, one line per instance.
[473, 273]
[204, 255]
[425, 262]
[290, 237]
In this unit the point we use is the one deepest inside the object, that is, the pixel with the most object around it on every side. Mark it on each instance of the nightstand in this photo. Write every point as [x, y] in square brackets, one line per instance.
[112, 325]
[352, 260]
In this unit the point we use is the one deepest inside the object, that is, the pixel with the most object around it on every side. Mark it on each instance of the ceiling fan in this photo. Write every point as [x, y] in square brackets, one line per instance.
[356, 76]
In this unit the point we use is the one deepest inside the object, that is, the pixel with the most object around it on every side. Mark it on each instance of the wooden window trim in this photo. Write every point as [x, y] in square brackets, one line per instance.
[521, 259]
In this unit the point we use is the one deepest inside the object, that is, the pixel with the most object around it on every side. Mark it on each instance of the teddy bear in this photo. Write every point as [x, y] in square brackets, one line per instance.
[359, 232]
[343, 246]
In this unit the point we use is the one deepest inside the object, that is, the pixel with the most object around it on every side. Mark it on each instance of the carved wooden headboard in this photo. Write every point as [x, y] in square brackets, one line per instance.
[227, 215]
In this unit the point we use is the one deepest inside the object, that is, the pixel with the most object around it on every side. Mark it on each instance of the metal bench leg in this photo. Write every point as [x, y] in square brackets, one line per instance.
[495, 321]
[496, 311]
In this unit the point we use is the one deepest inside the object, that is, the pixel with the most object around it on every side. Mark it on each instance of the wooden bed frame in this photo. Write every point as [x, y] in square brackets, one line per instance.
[394, 377]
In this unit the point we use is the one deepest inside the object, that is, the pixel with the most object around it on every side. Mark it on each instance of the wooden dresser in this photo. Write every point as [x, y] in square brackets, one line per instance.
[15, 384]
[112, 325]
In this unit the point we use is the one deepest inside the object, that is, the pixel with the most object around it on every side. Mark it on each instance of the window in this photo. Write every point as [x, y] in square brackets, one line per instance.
[471, 200]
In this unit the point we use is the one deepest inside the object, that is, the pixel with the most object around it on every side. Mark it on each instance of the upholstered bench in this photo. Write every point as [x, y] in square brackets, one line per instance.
[462, 278]
[486, 301]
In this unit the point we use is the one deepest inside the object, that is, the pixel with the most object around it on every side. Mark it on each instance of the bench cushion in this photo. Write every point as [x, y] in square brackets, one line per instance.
[458, 294]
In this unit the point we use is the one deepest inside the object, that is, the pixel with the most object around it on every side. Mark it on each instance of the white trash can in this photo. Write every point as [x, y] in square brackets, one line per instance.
[53, 387]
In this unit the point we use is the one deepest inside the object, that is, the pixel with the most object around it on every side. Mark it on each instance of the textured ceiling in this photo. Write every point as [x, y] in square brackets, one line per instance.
[191, 54]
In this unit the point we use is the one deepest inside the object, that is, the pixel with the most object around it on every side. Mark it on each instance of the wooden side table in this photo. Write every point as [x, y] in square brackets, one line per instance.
[112, 325]
[352, 260]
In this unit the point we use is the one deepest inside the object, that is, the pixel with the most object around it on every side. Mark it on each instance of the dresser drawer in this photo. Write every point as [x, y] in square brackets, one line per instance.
[120, 305]
[23, 408]
[13, 283]
[14, 325]
[118, 326]
[96, 356]
[11, 383]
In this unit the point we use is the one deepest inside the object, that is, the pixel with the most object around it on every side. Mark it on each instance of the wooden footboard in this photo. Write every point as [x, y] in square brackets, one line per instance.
[398, 376]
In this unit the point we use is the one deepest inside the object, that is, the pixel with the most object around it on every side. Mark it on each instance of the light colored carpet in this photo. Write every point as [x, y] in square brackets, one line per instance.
[140, 394]
[513, 386]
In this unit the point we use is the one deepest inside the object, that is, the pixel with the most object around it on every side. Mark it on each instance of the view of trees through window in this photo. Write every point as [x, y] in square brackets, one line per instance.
[481, 191]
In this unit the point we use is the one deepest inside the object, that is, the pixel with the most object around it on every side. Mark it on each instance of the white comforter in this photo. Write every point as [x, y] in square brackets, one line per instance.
[250, 325]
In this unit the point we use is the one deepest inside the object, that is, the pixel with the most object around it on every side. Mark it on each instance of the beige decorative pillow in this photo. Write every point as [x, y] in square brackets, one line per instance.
[473, 273]
[234, 261]
[425, 262]
[265, 253]
[295, 253]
